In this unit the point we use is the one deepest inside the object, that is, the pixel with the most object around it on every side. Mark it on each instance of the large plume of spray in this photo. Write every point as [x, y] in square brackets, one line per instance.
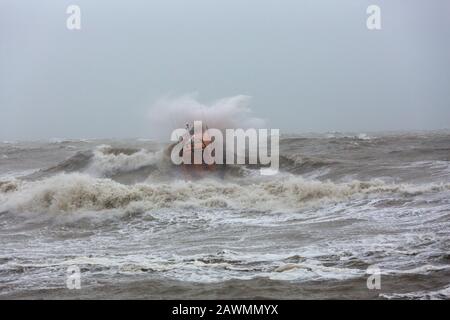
[170, 113]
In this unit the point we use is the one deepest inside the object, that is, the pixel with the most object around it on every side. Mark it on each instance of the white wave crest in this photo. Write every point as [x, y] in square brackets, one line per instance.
[442, 294]
[106, 163]
[81, 192]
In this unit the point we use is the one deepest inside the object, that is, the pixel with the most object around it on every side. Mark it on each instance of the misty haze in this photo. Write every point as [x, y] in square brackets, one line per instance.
[92, 205]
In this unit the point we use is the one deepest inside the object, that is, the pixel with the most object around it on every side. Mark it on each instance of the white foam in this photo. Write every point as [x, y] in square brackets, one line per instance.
[105, 164]
[74, 192]
[443, 293]
[171, 113]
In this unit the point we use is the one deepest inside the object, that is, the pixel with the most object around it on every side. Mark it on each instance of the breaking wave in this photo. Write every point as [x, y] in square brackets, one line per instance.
[337, 206]
[108, 161]
[103, 161]
[76, 191]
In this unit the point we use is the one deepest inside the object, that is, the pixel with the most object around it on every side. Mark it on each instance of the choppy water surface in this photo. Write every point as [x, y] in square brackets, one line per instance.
[137, 227]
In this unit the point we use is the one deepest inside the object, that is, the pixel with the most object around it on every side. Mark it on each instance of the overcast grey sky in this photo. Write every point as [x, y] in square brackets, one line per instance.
[308, 65]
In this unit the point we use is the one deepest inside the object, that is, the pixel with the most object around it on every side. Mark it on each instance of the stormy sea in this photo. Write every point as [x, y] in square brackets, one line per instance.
[138, 227]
